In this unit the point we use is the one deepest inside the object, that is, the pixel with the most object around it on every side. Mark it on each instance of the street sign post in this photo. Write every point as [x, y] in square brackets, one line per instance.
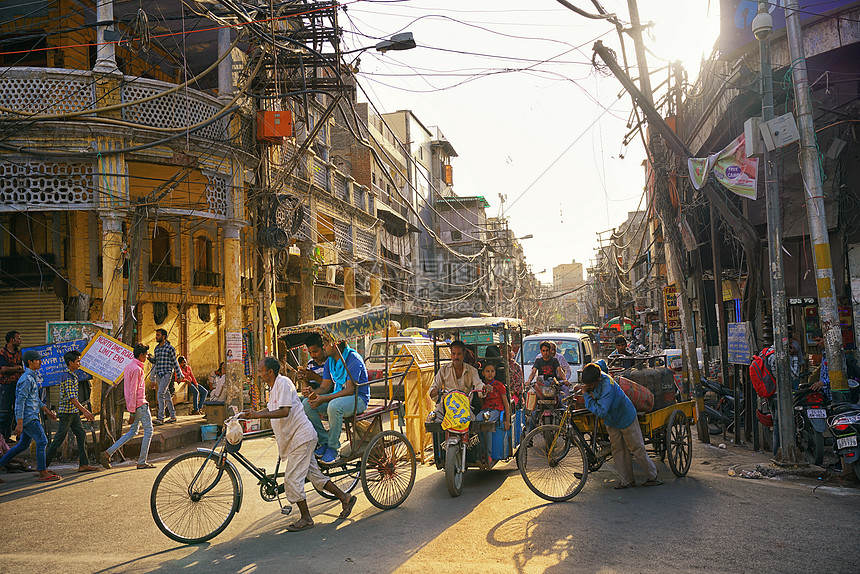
[740, 344]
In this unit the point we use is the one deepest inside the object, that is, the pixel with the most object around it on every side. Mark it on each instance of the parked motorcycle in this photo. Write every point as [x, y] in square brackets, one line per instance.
[720, 411]
[845, 426]
[810, 416]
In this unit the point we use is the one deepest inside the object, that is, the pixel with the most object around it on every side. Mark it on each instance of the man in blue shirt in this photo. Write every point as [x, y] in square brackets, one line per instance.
[27, 407]
[606, 400]
[343, 392]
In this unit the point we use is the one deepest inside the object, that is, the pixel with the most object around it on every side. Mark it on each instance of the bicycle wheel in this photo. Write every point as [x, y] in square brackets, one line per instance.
[558, 474]
[345, 477]
[193, 499]
[388, 469]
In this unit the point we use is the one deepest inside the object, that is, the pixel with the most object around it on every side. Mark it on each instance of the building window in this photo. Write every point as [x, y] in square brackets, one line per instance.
[161, 247]
[204, 272]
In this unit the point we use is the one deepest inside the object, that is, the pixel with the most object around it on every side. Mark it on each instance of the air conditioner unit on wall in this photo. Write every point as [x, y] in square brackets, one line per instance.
[331, 274]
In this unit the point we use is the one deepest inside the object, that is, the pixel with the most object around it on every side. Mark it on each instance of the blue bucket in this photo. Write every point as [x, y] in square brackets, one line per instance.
[209, 432]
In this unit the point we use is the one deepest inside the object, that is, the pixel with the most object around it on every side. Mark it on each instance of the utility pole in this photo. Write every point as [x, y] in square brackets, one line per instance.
[828, 312]
[785, 406]
[671, 234]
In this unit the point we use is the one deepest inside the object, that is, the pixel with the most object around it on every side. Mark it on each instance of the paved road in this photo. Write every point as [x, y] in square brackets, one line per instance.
[705, 522]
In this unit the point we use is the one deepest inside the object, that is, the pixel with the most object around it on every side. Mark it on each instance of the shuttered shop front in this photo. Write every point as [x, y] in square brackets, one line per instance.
[26, 311]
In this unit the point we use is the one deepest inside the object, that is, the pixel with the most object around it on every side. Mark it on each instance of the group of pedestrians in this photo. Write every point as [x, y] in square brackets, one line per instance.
[21, 406]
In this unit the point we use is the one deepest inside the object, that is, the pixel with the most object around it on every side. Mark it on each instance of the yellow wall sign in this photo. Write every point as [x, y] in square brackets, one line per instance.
[673, 315]
[106, 358]
[273, 311]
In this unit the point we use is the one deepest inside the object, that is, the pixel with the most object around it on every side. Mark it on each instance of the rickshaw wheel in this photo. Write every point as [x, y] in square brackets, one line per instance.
[344, 477]
[555, 475]
[388, 469]
[679, 443]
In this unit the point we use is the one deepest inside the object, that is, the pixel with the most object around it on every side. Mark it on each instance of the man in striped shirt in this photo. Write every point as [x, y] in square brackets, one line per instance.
[69, 411]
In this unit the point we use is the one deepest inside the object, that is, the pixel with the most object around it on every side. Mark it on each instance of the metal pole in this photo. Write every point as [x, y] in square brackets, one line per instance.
[787, 452]
[828, 312]
[721, 318]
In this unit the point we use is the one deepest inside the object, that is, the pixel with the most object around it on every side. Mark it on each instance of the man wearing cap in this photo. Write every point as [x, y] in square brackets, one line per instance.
[606, 400]
[27, 407]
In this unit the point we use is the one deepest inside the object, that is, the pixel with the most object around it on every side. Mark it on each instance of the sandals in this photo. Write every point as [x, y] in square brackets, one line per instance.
[294, 527]
[652, 482]
[88, 468]
[347, 509]
[50, 478]
[146, 465]
[622, 486]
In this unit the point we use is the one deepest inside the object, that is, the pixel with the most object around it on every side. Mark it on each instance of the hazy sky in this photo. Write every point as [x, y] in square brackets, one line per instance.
[511, 85]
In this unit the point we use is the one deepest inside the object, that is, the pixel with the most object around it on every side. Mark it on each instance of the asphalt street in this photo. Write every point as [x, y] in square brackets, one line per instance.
[707, 521]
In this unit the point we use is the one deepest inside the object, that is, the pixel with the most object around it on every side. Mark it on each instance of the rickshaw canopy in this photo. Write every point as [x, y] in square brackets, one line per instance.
[343, 326]
[474, 323]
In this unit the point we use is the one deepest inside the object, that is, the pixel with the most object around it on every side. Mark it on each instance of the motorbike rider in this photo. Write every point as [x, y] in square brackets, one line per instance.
[454, 376]
[547, 365]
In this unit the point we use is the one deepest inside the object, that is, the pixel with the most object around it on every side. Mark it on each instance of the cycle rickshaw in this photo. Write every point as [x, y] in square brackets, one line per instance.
[555, 460]
[197, 494]
[487, 443]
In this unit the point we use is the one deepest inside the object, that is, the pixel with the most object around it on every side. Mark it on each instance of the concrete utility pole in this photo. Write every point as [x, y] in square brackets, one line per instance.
[787, 451]
[671, 234]
[828, 312]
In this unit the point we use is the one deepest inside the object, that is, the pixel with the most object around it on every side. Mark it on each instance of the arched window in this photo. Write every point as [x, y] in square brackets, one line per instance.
[161, 247]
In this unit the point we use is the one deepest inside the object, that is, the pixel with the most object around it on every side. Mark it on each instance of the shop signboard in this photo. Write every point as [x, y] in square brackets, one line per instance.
[673, 315]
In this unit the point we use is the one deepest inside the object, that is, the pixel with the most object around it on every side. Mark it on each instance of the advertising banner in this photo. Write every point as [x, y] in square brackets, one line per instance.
[731, 167]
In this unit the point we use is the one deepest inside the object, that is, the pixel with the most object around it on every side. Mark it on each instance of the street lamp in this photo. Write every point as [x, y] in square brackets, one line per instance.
[402, 41]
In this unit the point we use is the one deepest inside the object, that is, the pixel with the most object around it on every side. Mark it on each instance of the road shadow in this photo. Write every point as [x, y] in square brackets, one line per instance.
[370, 540]
[592, 530]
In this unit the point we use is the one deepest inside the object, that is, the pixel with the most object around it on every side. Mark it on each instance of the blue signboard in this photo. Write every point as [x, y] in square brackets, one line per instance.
[53, 364]
[740, 343]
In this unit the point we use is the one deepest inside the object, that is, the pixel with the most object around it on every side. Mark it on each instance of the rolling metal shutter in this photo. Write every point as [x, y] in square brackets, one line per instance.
[27, 310]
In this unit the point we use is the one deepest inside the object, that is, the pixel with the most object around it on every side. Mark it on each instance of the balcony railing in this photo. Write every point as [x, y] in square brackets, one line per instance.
[206, 279]
[165, 273]
[60, 90]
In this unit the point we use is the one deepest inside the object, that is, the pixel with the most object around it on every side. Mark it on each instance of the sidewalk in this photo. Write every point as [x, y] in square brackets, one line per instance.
[741, 461]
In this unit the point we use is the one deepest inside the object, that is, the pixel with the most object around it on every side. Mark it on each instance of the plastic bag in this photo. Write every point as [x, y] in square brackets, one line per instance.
[234, 432]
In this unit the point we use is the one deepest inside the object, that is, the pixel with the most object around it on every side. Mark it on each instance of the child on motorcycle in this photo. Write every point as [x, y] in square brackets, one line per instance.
[495, 398]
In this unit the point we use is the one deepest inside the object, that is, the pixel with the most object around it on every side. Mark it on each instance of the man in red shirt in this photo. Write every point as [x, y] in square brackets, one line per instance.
[11, 369]
[135, 402]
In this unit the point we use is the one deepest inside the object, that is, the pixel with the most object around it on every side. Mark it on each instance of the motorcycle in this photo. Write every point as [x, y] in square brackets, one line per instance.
[810, 415]
[720, 412]
[845, 426]
[543, 402]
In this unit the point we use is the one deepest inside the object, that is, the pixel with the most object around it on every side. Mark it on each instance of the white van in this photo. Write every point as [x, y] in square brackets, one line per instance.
[576, 348]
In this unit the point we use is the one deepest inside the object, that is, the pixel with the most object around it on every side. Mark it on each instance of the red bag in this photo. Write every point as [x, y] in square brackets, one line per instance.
[640, 396]
[763, 380]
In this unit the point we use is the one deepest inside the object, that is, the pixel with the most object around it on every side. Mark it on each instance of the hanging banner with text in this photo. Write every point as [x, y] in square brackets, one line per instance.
[53, 365]
[106, 358]
[673, 315]
[731, 167]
